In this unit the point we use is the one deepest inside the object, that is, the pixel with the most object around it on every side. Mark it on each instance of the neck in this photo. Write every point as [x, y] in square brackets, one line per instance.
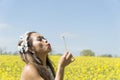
[42, 57]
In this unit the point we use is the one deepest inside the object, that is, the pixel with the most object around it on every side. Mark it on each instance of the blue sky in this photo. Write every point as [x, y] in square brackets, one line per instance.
[86, 24]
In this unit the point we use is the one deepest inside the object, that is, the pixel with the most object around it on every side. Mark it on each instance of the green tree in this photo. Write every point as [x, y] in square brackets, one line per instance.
[87, 52]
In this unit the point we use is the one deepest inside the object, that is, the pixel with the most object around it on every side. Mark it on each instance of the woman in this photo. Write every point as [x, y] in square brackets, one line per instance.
[34, 49]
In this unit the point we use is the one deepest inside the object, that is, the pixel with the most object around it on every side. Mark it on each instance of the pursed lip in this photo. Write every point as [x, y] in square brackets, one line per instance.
[49, 46]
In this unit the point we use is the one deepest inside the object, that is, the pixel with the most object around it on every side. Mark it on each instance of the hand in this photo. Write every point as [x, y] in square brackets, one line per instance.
[66, 59]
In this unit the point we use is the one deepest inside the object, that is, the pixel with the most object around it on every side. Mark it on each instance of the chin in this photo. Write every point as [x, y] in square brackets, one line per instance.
[49, 50]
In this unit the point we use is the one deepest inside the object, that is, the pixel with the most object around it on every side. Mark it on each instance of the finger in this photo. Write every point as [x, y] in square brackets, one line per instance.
[65, 54]
[69, 56]
[72, 59]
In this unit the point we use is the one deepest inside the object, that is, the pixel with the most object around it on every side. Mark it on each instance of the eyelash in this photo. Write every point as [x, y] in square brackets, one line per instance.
[40, 39]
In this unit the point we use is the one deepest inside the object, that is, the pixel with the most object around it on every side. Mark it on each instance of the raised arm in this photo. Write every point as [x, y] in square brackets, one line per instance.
[65, 60]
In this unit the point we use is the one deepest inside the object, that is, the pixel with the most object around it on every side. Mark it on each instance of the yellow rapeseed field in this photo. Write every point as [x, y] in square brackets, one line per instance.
[83, 68]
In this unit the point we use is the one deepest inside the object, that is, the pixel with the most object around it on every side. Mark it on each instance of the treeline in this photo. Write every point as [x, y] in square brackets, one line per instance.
[85, 52]
[9, 53]
[3, 51]
[88, 52]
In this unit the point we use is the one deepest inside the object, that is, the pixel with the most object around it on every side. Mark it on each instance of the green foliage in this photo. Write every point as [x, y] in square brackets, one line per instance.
[87, 52]
[106, 55]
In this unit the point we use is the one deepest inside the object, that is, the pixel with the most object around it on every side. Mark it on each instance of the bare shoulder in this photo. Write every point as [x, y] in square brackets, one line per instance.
[30, 73]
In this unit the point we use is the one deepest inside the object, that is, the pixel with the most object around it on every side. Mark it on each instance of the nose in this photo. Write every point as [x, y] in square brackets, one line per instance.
[45, 40]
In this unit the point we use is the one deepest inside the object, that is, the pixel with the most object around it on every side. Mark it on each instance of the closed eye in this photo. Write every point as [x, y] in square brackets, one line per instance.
[40, 38]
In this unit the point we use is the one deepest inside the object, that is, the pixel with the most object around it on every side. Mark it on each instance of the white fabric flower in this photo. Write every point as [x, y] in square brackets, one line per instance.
[24, 45]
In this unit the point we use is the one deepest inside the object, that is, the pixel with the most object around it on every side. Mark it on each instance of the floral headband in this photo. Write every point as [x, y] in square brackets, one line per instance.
[23, 47]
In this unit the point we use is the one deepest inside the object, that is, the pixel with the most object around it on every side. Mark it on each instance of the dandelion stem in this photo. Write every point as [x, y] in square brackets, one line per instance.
[65, 43]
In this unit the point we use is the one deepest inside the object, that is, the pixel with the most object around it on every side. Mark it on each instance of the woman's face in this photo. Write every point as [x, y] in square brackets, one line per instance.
[40, 44]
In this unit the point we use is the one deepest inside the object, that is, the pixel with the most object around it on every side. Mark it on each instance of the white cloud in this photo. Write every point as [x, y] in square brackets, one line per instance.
[4, 26]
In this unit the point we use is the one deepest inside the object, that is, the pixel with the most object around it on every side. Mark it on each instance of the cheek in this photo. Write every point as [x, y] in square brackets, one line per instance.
[37, 46]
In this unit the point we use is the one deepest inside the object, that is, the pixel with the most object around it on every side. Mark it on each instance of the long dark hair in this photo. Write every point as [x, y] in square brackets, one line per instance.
[36, 61]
